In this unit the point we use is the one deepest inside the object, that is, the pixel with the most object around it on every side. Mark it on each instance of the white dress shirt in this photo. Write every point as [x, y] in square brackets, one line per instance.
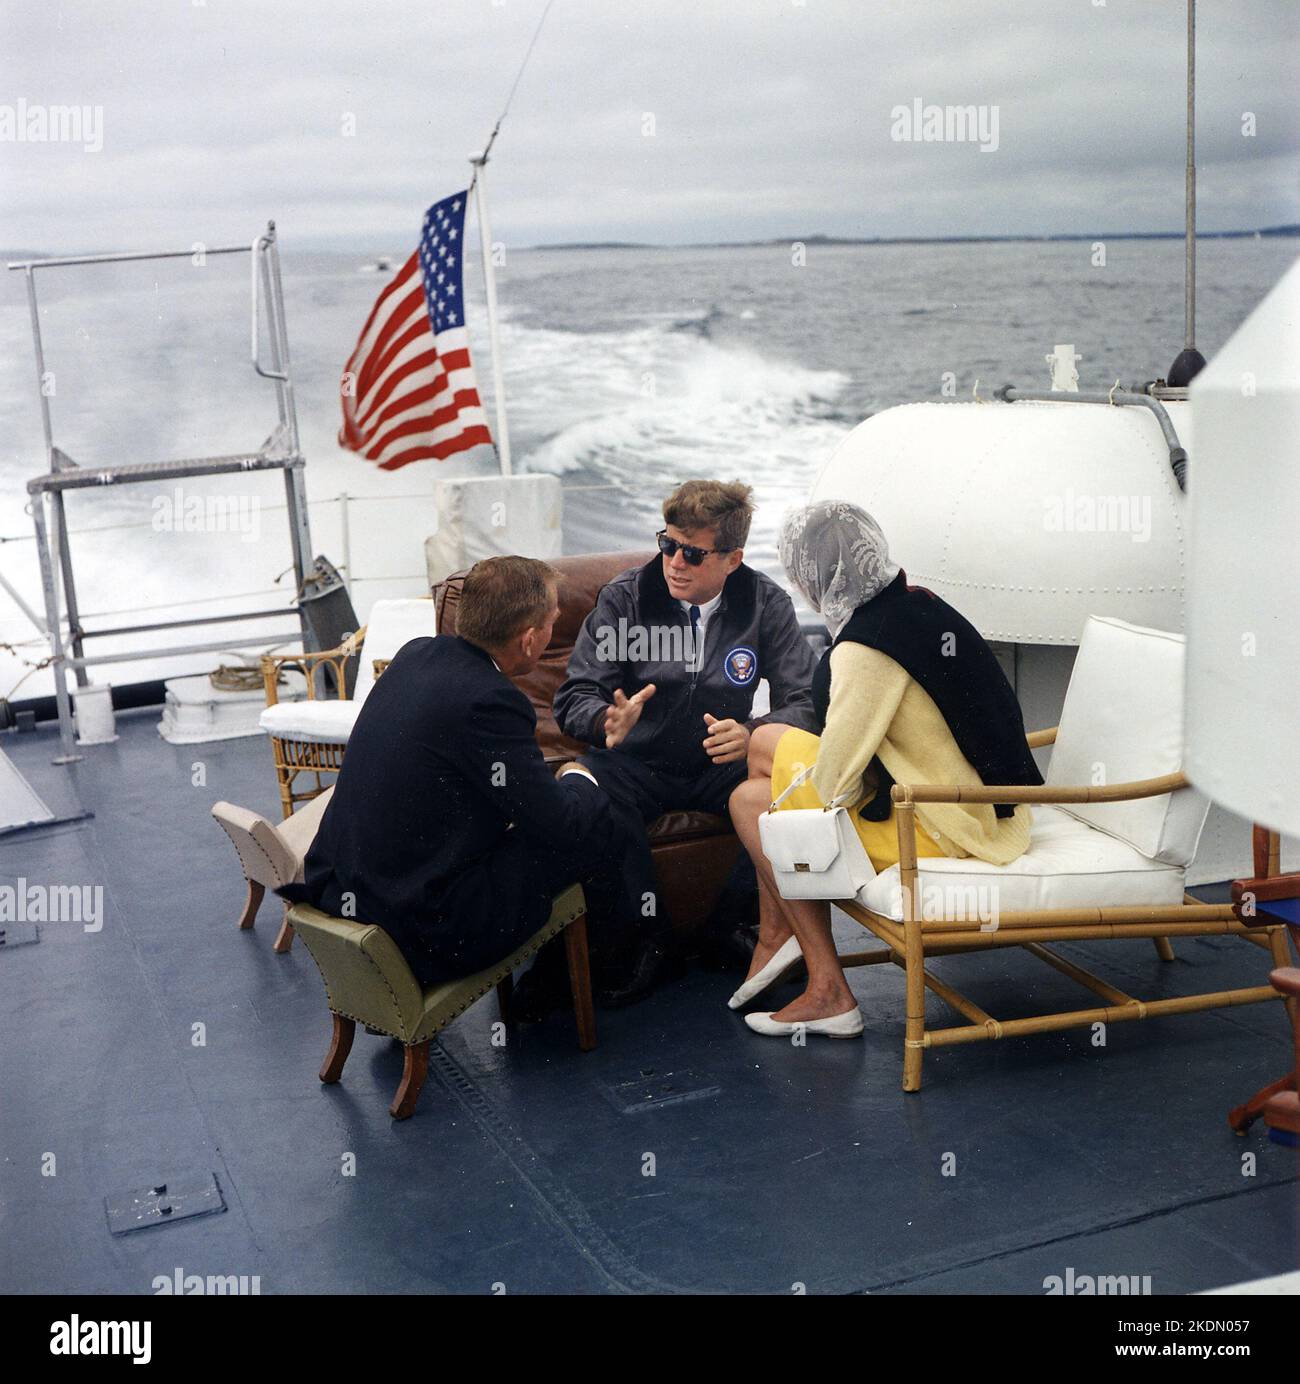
[706, 610]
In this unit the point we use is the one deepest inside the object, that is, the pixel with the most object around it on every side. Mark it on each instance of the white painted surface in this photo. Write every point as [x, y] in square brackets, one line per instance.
[1243, 595]
[996, 508]
[487, 516]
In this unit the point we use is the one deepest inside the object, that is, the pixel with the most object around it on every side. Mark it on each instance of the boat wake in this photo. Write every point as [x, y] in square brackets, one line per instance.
[655, 404]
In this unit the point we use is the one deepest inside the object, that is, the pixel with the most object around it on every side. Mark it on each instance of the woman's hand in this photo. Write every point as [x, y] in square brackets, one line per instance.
[727, 741]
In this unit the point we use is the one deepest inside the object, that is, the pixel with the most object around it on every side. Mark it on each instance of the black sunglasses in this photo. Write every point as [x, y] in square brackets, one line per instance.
[669, 547]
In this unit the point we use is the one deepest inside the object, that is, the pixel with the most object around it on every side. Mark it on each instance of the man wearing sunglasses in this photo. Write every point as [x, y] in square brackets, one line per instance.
[661, 684]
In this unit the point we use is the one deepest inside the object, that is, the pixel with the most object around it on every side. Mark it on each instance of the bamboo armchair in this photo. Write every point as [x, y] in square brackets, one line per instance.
[909, 941]
[1106, 860]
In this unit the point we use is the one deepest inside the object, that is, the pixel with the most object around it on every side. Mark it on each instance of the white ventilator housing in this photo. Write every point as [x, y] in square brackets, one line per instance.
[1028, 517]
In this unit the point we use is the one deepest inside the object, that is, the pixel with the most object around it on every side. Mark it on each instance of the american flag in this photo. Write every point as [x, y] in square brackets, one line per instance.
[408, 389]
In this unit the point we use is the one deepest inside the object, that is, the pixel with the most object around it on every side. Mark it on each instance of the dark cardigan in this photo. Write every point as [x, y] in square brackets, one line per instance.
[949, 657]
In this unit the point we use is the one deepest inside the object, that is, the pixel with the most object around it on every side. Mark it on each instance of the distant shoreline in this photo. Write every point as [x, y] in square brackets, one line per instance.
[1269, 231]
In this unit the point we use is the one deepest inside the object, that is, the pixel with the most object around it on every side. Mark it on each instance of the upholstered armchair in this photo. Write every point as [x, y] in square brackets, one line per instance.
[271, 854]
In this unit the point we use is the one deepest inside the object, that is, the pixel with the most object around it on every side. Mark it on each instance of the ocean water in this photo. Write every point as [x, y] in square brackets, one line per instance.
[626, 372]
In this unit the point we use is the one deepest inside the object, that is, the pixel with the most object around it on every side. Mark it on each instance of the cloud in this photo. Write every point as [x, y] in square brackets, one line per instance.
[770, 118]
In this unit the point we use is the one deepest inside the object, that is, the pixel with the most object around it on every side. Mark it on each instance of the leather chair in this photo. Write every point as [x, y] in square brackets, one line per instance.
[367, 981]
[694, 852]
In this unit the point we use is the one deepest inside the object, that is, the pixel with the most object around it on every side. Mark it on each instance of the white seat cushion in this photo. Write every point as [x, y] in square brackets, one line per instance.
[1123, 720]
[1069, 864]
[325, 723]
[392, 624]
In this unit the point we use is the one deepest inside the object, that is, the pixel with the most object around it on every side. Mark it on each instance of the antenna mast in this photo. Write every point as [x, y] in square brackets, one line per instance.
[1190, 361]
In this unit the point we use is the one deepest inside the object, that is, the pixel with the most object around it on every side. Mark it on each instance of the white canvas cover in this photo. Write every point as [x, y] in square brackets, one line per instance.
[1243, 590]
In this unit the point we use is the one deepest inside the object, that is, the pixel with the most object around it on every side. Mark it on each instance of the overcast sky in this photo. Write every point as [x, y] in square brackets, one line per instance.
[770, 118]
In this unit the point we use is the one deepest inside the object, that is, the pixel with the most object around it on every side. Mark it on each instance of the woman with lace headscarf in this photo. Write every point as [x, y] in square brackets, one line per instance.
[909, 691]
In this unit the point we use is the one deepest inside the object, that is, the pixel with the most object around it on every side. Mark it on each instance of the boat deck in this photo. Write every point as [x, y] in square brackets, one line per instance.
[526, 1165]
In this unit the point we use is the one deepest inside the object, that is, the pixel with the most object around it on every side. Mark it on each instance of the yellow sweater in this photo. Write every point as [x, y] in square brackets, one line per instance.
[877, 708]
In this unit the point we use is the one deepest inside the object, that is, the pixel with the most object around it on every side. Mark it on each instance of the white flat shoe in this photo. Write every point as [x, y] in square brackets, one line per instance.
[846, 1025]
[786, 956]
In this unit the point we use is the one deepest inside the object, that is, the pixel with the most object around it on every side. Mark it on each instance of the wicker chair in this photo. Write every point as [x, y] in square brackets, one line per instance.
[309, 737]
[1106, 859]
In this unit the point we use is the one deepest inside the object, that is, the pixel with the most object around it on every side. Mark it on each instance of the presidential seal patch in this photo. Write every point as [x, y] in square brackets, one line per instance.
[740, 666]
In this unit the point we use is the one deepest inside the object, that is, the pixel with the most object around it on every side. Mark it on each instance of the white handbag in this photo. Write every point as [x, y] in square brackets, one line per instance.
[814, 852]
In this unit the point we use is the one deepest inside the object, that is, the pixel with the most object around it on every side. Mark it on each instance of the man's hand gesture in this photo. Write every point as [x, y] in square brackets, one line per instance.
[624, 714]
[727, 741]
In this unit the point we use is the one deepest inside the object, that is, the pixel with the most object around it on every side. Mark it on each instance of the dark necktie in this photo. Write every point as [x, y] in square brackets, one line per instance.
[697, 653]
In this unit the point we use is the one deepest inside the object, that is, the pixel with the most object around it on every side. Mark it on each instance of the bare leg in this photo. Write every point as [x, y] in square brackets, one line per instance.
[828, 992]
[762, 749]
[773, 929]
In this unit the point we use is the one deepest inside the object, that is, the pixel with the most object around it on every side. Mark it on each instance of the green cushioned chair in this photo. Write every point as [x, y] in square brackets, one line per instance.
[368, 981]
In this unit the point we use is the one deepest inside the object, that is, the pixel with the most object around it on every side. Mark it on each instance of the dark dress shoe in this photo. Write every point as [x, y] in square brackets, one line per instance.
[542, 990]
[652, 964]
[728, 950]
[728, 939]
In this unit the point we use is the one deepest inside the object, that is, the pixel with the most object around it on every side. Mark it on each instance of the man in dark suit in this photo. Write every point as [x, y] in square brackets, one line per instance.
[446, 827]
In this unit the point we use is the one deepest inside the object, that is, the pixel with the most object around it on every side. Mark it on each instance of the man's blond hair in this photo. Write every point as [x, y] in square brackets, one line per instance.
[723, 506]
[503, 597]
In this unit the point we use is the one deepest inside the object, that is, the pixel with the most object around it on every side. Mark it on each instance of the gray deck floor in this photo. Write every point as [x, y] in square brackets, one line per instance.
[526, 1165]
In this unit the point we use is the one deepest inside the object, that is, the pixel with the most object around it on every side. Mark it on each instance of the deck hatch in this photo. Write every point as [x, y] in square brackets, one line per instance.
[176, 1199]
[18, 935]
[651, 1089]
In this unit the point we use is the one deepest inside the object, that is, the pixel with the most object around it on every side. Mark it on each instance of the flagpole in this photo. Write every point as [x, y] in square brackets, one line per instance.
[489, 279]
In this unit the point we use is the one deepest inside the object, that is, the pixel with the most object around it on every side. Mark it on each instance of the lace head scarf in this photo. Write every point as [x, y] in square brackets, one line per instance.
[836, 554]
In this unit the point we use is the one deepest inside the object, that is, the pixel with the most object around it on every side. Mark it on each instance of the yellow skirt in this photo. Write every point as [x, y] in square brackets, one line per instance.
[795, 751]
